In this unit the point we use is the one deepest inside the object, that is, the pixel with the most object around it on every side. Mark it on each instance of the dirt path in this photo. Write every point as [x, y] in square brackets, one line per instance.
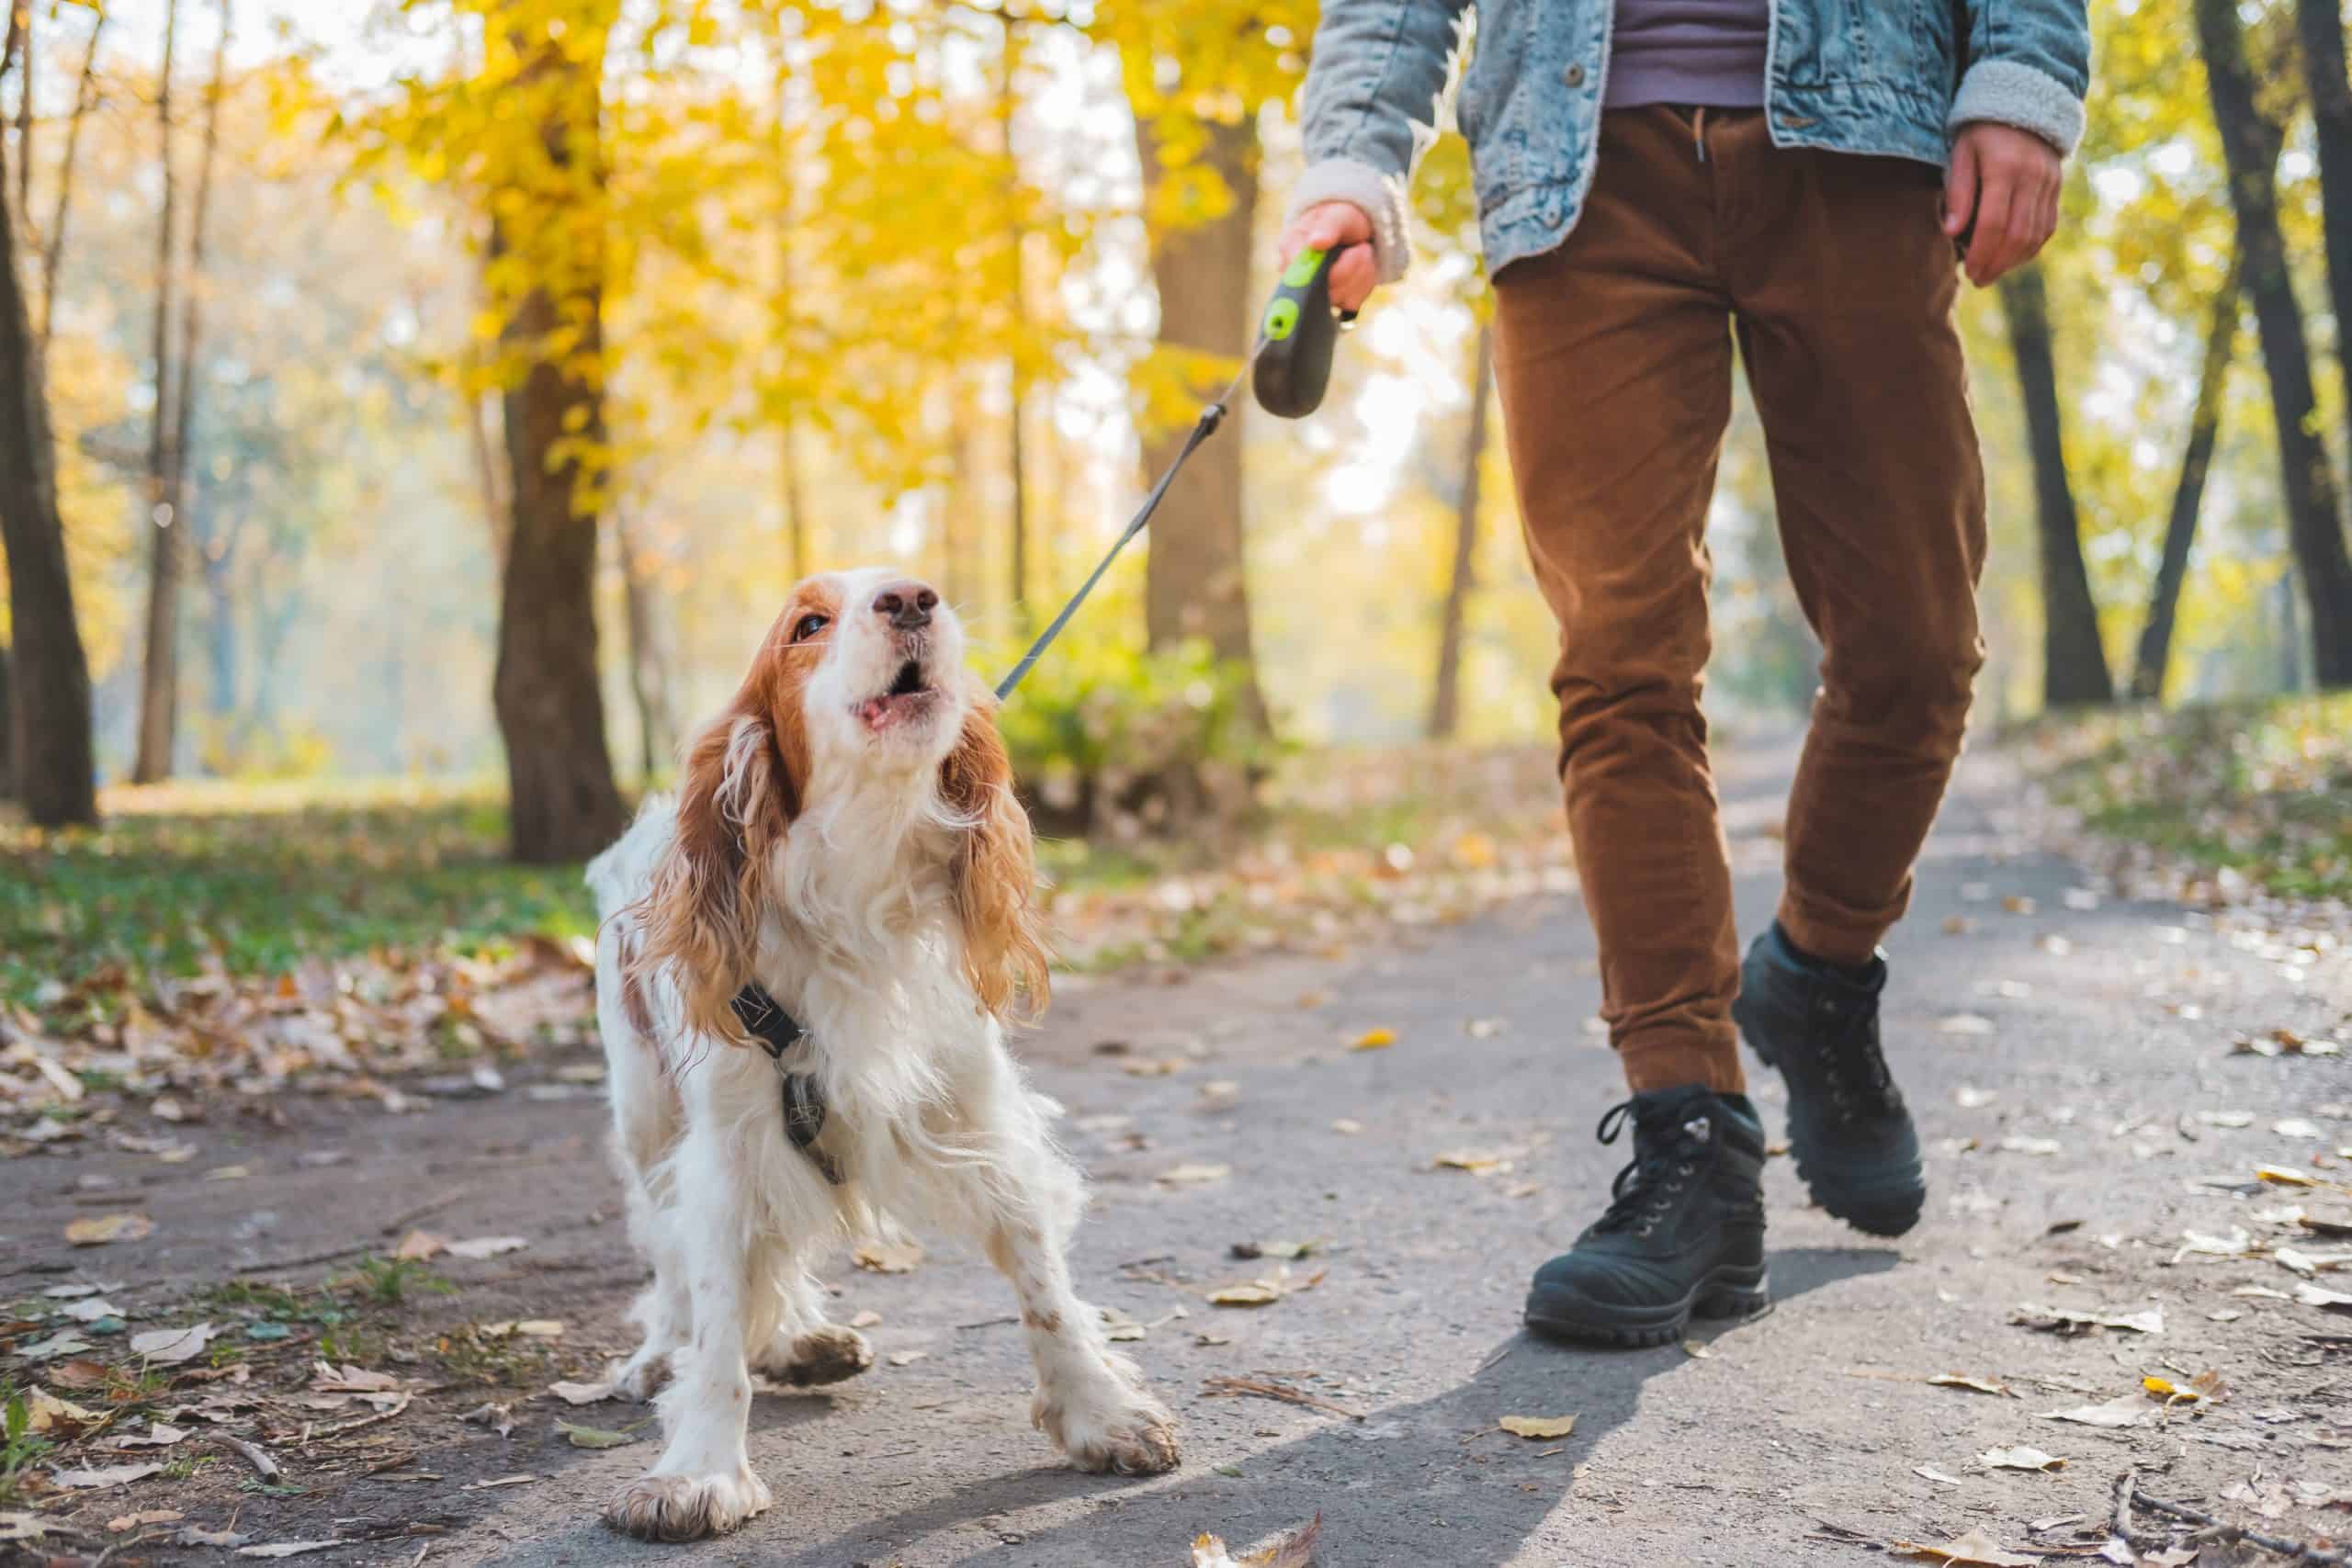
[2071, 1067]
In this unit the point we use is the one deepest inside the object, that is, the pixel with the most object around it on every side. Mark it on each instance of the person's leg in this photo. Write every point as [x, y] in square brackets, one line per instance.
[1845, 284]
[1612, 355]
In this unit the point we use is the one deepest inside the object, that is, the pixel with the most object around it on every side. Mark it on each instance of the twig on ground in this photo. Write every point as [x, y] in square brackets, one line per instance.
[301, 1260]
[254, 1455]
[988, 1323]
[2293, 1550]
[2124, 1486]
[401, 1223]
[149, 1538]
[1236, 1388]
[1496, 1358]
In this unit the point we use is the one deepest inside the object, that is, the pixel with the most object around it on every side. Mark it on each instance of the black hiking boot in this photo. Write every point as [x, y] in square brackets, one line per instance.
[1853, 1141]
[1684, 1232]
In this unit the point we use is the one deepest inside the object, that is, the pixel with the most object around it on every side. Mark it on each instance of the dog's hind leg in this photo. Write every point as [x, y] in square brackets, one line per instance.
[664, 1310]
[806, 1350]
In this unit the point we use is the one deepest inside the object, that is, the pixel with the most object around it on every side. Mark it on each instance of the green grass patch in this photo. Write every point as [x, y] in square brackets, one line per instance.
[257, 881]
[2263, 789]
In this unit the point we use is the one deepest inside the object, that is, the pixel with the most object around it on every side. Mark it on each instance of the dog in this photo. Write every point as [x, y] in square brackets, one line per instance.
[845, 837]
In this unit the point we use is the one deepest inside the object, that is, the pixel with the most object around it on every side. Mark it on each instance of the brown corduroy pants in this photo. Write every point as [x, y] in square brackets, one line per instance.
[1614, 356]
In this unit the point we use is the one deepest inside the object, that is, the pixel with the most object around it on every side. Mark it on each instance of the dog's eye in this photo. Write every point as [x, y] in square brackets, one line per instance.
[808, 626]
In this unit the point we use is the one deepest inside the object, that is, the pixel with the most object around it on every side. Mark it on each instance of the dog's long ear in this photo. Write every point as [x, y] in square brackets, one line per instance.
[701, 917]
[995, 873]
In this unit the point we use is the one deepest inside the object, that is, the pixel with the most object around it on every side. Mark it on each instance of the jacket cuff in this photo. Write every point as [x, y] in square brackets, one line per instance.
[2007, 92]
[1381, 198]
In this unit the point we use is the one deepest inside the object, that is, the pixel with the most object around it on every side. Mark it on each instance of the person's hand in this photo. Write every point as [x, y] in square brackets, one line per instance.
[1329, 223]
[2004, 182]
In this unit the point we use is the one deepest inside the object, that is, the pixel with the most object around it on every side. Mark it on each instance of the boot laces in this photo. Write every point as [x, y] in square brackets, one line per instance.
[1668, 1146]
[1853, 1063]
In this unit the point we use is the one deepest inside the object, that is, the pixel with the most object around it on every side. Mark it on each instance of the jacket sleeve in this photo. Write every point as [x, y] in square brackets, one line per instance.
[2029, 65]
[1379, 70]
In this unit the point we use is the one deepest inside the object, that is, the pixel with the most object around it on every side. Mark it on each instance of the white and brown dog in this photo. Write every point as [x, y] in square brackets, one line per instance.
[846, 836]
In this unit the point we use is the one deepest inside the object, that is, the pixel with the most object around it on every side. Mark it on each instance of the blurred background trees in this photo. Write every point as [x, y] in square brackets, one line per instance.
[452, 387]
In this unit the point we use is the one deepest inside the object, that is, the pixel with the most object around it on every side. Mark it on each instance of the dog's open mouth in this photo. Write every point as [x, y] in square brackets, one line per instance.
[907, 694]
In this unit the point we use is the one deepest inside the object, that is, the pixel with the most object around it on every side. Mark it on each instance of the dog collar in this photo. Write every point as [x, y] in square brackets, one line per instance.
[804, 1103]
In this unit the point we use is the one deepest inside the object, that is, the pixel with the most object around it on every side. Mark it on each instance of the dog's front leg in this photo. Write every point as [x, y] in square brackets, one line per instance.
[1091, 1400]
[703, 1483]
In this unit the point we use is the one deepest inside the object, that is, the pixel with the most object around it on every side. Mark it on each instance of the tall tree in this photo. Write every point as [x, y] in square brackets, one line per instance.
[1445, 703]
[1008, 102]
[55, 754]
[649, 668]
[2250, 143]
[52, 255]
[2154, 655]
[548, 241]
[1195, 584]
[2320, 26]
[159, 671]
[2073, 661]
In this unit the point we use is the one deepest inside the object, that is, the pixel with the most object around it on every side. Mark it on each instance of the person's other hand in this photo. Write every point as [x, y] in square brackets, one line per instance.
[1329, 223]
[2004, 182]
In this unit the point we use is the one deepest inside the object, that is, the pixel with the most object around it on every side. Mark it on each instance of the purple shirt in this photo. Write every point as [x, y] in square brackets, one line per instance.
[1687, 51]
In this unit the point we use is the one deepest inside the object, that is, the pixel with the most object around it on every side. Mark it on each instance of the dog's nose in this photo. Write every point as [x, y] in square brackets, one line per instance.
[907, 604]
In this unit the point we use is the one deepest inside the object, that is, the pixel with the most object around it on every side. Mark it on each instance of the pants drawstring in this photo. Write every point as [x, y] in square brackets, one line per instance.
[1699, 131]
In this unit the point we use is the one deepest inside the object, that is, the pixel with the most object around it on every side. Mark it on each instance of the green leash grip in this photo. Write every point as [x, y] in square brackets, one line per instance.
[1295, 337]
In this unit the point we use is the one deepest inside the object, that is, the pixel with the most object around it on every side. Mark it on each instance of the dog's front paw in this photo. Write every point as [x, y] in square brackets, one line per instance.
[687, 1507]
[1127, 1434]
[829, 1353]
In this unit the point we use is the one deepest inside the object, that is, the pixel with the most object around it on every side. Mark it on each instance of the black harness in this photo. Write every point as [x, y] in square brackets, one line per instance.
[804, 1103]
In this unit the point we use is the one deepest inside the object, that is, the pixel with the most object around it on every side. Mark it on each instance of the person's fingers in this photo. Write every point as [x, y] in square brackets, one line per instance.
[1353, 277]
[1960, 189]
[1991, 247]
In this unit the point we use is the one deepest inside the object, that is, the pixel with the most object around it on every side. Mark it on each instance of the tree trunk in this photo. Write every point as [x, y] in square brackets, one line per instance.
[1445, 704]
[1017, 294]
[2073, 663]
[52, 255]
[56, 761]
[2188, 496]
[184, 490]
[551, 710]
[2250, 143]
[160, 670]
[1194, 582]
[26, 59]
[7, 736]
[649, 671]
[2320, 24]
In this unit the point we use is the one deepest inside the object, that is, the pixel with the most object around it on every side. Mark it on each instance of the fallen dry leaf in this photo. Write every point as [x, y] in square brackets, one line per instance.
[499, 1418]
[500, 1481]
[171, 1347]
[418, 1246]
[888, 1257]
[2067, 1320]
[1932, 1473]
[1248, 1293]
[865, 1319]
[157, 1436]
[101, 1480]
[289, 1548]
[98, 1230]
[1373, 1040]
[1477, 1162]
[592, 1436]
[2320, 1296]
[1961, 1380]
[44, 1412]
[2125, 1410]
[123, 1524]
[1975, 1549]
[1348, 1126]
[2021, 1457]
[327, 1378]
[482, 1247]
[909, 1358]
[1194, 1174]
[581, 1393]
[1293, 1548]
[1538, 1426]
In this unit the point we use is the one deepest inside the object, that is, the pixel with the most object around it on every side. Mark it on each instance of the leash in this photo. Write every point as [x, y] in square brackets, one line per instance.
[1288, 367]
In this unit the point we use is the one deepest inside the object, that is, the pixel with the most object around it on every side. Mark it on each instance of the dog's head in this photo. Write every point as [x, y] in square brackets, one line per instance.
[858, 697]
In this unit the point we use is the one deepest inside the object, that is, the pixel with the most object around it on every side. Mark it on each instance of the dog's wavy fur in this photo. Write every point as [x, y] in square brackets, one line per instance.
[867, 863]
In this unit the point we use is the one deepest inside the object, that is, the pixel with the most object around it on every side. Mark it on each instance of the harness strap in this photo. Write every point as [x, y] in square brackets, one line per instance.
[804, 1103]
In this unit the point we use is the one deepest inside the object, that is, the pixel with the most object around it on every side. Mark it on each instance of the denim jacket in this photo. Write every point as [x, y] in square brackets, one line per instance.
[1891, 77]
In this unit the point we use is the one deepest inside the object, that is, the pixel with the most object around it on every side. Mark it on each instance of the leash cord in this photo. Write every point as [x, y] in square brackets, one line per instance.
[1212, 416]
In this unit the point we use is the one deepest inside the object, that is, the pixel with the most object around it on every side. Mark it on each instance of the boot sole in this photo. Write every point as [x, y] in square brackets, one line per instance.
[1729, 1291]
[1874, 1214]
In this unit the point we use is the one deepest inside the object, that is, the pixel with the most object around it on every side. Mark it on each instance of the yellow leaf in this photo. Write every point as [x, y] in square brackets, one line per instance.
[1536, 1427]
[97, 1230]
[1374, 1040]
[888, 1257]
[1248, 1293]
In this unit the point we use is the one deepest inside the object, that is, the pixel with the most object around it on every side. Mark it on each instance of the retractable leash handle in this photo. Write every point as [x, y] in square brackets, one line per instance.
[1295, 337]
[1288, 368]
